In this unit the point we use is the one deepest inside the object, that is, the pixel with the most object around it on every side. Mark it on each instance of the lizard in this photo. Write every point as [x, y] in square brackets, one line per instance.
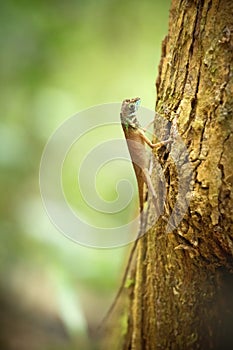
[136, 140]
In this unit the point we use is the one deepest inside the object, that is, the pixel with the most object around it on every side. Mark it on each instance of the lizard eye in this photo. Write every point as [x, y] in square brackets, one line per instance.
[131, 105]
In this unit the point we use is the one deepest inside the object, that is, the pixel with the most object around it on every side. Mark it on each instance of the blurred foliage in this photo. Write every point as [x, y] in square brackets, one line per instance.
[58, 58]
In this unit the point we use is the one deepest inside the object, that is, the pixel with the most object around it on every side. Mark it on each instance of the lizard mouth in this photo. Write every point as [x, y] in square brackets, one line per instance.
[136, 103]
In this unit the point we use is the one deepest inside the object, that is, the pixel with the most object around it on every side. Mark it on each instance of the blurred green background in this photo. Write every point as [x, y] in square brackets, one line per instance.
[58, 58]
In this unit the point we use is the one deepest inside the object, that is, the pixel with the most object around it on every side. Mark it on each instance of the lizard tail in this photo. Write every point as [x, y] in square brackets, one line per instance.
[120, 290]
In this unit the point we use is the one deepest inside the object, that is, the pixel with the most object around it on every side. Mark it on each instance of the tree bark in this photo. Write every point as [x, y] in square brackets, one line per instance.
[182, 297]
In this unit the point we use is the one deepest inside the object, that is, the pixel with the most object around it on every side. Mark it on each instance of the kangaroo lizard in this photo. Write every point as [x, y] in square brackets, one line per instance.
[136, 141]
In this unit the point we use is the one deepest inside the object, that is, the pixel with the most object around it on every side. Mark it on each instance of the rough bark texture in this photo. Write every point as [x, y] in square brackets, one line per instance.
[182, 297]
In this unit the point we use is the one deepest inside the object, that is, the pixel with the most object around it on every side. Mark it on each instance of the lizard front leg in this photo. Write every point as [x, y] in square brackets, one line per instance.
[151, 144]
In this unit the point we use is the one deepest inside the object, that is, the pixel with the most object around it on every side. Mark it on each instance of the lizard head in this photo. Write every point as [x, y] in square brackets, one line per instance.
[129, 109]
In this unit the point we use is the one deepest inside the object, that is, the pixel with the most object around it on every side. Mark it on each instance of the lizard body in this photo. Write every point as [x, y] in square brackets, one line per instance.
[136, 141]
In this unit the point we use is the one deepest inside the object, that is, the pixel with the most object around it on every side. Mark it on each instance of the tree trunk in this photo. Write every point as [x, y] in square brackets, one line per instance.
[182, 297]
